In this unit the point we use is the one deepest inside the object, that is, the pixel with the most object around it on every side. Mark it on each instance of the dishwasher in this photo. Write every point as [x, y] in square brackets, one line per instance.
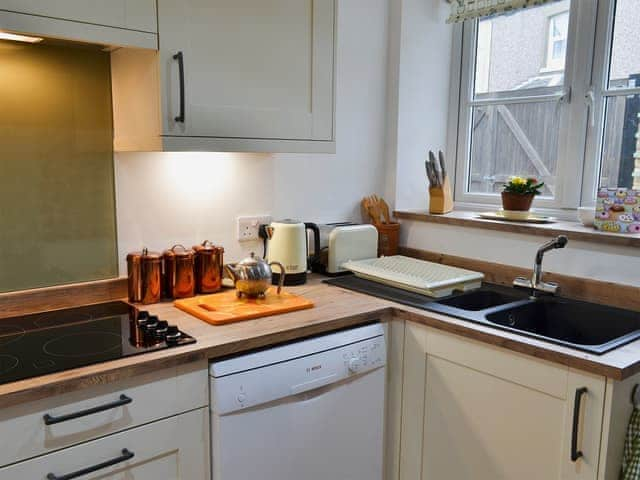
[309, 410]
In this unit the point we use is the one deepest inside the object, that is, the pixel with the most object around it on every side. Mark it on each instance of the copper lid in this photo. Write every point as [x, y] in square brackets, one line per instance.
[179, 251]
[145, 254]
[208, 248]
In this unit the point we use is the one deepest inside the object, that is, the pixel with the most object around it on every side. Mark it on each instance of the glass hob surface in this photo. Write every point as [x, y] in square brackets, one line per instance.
[38, 344]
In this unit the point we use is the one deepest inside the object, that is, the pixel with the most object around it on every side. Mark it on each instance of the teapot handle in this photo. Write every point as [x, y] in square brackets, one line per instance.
[282, 275]
[228, 269]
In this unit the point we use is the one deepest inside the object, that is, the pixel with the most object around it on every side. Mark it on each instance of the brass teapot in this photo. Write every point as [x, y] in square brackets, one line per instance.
[252, 276]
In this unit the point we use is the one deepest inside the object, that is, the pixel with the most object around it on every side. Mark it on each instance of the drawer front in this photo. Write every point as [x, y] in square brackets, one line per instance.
[176, 448]
[57, 422]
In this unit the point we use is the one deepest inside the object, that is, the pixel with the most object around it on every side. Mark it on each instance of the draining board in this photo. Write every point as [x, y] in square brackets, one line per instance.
[427, 278]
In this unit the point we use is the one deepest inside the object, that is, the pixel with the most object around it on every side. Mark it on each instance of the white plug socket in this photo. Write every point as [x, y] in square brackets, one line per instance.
[249, 227]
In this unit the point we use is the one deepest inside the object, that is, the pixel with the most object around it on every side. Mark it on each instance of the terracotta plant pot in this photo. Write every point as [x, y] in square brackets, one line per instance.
[513, 201]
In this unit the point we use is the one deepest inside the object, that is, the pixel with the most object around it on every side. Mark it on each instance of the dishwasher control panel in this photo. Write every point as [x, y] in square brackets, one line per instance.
[297, 375]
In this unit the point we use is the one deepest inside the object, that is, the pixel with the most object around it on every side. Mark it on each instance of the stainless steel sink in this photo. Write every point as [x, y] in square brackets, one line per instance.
[584, 326]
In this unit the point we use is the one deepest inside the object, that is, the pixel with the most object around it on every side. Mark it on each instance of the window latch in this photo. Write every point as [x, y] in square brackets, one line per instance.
[565, 97]
[590, 100]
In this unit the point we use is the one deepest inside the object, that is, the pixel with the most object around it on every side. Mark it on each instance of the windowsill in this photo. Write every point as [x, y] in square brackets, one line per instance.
[573, 230]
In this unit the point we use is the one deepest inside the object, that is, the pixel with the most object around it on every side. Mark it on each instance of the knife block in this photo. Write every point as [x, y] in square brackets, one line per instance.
[440, 198]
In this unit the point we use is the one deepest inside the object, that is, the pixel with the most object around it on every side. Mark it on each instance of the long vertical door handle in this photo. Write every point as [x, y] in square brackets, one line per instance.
[180, 58]
[575, 453]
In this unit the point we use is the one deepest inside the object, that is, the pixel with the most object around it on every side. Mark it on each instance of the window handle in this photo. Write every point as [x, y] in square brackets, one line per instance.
[590, 100]
[565, 97]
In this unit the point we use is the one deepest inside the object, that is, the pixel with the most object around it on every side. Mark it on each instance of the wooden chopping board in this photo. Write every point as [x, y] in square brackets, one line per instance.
[226, 307]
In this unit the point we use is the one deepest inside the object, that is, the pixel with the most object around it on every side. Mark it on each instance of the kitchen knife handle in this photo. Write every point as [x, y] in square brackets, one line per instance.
[180, 58]
[126, 455]
[575, 453]
[51, 420]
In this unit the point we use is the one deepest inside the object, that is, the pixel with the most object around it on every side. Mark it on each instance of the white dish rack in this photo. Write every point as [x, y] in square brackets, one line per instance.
[427, 278]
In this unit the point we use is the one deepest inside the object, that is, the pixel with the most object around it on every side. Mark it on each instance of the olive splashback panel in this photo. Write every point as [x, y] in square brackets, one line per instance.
[57, 200]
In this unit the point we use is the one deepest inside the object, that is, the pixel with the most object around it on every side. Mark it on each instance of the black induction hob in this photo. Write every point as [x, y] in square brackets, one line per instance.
[42, 343]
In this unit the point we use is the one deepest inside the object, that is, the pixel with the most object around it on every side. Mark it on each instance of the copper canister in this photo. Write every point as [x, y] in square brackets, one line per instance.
[179, 272]
[144, 270]
[209, 264]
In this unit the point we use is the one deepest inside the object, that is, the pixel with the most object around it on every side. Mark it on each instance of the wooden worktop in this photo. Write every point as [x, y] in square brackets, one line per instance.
[335, 308]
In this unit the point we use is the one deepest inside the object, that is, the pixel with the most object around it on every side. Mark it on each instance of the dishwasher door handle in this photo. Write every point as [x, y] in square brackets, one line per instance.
[317, 383]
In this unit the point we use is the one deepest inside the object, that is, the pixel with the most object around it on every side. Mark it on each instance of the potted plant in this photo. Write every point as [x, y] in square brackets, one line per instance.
[519, 193]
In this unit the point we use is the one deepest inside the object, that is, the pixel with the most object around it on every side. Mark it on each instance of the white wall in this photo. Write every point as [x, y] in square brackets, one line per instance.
[184, 198]
[580, 259]
[423, 42]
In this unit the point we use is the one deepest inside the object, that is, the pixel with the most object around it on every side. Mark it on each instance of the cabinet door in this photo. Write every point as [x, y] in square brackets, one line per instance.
[256, 69]
[492, 414]
[176, 448]
[128, 14]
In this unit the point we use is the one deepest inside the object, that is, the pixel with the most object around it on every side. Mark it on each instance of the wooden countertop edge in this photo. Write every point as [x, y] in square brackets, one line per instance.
[573, 230]
[293, 328]
[269, 339]
[71, 380]
[495, 338]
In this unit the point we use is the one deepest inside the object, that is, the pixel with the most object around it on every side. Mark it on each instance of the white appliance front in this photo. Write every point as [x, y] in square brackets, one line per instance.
[315, 416]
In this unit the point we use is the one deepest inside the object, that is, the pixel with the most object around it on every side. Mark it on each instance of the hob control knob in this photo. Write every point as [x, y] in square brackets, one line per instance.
[355, 364]
[161, 329]
[173, 334]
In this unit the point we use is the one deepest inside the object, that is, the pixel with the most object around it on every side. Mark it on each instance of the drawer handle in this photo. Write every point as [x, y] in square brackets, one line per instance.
[126, 455]
[51, 420]
[180, 58]
[575, 453]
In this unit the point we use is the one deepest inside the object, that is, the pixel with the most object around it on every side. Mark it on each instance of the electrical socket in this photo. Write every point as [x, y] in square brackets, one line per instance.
[248, 227]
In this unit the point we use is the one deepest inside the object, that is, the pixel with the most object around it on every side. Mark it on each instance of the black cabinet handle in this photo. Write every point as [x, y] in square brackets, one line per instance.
[51, 420]
[180, 58]
[575, 453]
[126, 455]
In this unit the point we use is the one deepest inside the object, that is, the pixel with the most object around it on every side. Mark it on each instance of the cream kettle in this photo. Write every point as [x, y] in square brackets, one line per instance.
[287, 244]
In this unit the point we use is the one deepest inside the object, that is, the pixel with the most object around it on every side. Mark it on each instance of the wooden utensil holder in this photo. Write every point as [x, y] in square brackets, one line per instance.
[440, 198]
[388, 238]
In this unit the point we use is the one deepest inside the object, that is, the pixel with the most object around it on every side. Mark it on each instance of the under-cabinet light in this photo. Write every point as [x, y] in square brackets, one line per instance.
[19, 38]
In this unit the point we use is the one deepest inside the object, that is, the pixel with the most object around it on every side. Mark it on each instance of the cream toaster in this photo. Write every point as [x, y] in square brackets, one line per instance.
[341, 242]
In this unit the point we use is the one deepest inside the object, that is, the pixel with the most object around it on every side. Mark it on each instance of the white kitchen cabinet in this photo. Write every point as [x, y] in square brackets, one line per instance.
[130, 14]
[474, 411]
[94, 412]
[257, 76]
[131, 23]
[176, 448]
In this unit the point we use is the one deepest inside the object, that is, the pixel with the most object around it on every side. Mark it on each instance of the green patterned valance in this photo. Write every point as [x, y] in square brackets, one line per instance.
[462, 10]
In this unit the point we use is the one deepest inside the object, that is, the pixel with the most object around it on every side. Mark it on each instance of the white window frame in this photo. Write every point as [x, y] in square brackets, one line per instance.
[580, 145]
[597, 96]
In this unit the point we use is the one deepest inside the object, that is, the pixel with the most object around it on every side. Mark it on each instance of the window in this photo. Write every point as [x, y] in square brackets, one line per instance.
[557, 41]
[619, 99]
[553, 92]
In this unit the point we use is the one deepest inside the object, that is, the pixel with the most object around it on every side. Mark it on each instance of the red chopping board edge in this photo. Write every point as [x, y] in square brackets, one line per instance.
[225, 307]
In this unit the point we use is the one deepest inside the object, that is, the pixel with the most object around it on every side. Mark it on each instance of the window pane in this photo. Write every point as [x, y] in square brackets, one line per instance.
[517, 51]
[625, 54]
[515, 139]
[621, 145]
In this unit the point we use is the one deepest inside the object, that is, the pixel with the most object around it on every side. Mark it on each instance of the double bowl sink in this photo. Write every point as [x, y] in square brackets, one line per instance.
[584, 326]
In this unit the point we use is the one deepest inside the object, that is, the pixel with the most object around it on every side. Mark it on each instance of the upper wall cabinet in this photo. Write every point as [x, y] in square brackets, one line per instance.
[235, 75]
[129, 23]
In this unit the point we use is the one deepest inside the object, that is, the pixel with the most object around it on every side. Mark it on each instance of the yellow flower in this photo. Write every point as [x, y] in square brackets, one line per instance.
[518, 181]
